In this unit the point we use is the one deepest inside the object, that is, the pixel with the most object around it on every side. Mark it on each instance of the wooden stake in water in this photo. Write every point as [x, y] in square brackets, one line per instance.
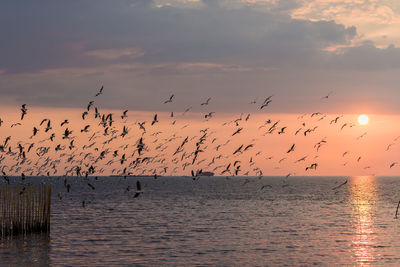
[397, 209]
[24, 209]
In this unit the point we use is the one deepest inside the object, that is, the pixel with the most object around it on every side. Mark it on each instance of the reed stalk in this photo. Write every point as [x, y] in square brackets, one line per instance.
[24, 209]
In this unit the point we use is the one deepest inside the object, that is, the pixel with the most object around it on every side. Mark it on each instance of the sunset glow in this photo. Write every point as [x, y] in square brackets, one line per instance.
[200, 132]
[363, 119]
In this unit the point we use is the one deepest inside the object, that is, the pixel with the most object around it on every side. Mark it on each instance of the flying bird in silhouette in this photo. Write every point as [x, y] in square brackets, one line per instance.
[342, 184]
[67, 133]
[206, 103]
[209, 115]
[123, 116]
[291, 148]
[86, 129]
[23, 110]
[100, 92]
[64, 122]
[327, 96]
[266, 102]
[237, 131]
[154, 120]
[138, 189]
[84, 114]
[90, 105]
[169, 100]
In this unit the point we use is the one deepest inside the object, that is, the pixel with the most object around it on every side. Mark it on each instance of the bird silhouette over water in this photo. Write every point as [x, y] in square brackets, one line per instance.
[122, 147]
[138, 189]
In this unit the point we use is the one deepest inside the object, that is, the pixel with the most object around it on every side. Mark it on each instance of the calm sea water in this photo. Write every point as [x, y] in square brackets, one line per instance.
[272, 221]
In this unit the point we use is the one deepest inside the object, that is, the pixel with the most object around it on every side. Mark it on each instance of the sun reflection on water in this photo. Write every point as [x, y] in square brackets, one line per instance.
[363, 196]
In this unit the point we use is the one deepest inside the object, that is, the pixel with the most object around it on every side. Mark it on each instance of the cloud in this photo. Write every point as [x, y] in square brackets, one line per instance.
[59, 52]
[111, 54]
[366, 57]
[376, 20]
[84, 33]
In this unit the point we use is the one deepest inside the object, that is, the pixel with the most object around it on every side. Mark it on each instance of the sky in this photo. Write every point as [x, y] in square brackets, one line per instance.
[55, 55]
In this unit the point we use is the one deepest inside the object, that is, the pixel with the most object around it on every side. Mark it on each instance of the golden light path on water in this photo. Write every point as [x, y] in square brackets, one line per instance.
[363, 196]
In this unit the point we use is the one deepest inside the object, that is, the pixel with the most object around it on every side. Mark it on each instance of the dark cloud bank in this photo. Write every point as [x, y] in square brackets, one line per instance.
[57, 53]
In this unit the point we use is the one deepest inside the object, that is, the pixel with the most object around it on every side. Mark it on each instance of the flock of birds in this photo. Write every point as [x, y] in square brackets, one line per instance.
[111, 144]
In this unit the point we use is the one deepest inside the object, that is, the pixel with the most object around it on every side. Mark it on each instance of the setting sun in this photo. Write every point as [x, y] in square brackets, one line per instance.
[363, 119]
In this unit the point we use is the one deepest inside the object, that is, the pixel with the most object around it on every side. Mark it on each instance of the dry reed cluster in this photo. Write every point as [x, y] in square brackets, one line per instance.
[24, 209]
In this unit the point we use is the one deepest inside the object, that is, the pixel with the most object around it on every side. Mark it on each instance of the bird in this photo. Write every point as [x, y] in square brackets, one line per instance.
[15, 124]
[141, 126]
[71, 145]
[154, 120]
[138, 189]
[96, 113]
[291, 149]
[187, 110]
[301, 159]
[43, 121]
[265, 104]
[169, 100]
[388, 147]
[209, 115]
[48, 126]
[90, 105]
[237, 131]
[238, 150]
[24, 111]
[35, 130]
[91, 186]
[312, 167]
[67, 133]
[335, 120]
[84, 114]
[100, 91]
[123, 116]
[342, 184]
[265, 186]
[327, 96]
[86, 129]
[248, 147]
[316, 114]
[22, 190]
[206, 103]
[282, 131]
[124, 131]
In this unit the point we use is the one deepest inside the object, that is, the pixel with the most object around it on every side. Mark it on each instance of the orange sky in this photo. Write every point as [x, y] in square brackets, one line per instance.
[268, 154]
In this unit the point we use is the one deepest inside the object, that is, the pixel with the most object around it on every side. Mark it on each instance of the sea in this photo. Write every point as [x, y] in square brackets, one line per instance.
[215, 221]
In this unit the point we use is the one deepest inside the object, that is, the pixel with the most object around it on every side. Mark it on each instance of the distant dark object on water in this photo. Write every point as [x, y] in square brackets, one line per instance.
[207, 174]
[397, 210]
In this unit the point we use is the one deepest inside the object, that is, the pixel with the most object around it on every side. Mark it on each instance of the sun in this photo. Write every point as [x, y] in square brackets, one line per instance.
[363, 119]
